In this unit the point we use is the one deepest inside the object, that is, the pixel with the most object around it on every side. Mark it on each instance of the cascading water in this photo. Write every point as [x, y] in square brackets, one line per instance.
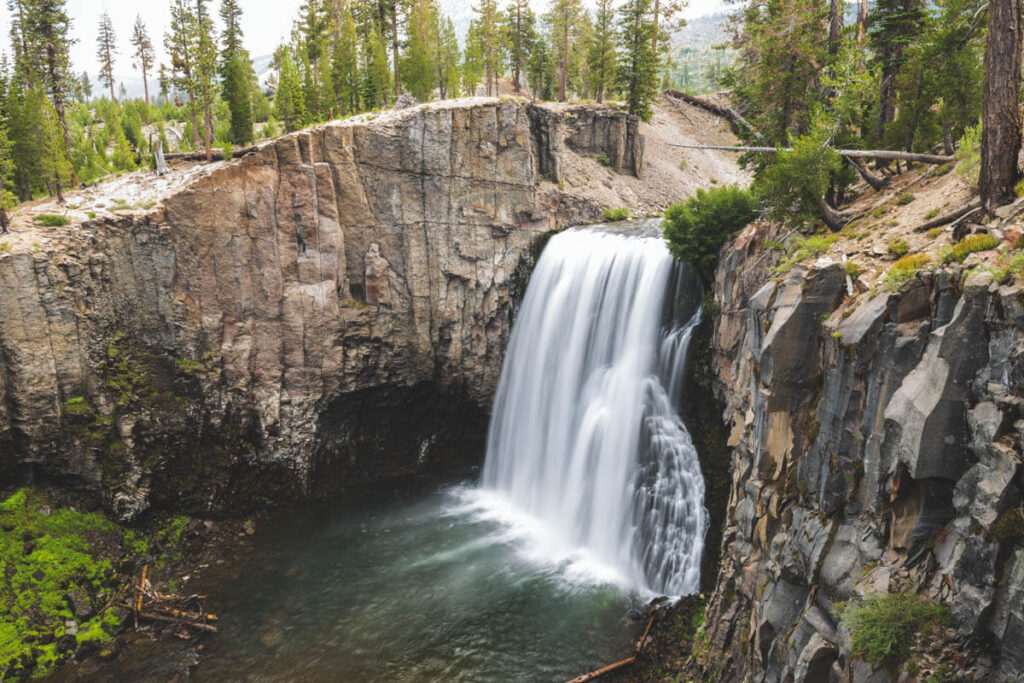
[586, 436]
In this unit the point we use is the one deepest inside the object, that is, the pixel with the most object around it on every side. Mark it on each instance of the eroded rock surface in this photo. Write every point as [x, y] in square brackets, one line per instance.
[876, 448]
[331, 308]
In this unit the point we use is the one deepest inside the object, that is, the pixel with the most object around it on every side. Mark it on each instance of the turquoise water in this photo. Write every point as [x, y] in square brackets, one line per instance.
[428, 581]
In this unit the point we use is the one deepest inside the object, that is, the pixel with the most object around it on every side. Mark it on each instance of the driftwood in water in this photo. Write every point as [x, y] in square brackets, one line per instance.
[953, 217]
[597, 673]
[183, 610]
[216, 155]
[847, 153]
[728, 113]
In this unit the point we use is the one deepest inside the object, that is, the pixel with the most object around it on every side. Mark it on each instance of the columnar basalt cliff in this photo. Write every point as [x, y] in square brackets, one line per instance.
[329, 309]
[876, 448]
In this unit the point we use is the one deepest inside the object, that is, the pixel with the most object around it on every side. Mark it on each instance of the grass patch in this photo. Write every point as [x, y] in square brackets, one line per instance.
[935, 232]
[853, 270]
[906, 198]
[604, 159]
[50, 220]
[898, 247]
[5, 247]
[969, 245]
[616, 215]
[884, 627]
[934, 213]
[804, 248]
[77, 406]
[1008, 271]
[904, 269]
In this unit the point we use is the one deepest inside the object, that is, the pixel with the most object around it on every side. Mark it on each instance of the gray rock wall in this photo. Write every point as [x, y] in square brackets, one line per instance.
[284, 308]
[876, 448]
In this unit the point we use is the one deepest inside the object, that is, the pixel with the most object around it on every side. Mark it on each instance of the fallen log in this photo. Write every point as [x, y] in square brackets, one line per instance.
[955, 216]
[877, 182]
[728, 113]
[846, 153]
[173, 620]
[597, 673]
[217, 155]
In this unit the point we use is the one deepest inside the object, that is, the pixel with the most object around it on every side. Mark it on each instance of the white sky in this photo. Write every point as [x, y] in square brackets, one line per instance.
[266, 24]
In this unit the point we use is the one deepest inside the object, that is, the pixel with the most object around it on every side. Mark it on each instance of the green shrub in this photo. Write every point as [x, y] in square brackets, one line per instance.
[969, 245]
[616, 215]
[49, 220]
[932, 214]
[968, 156]
[604, 159]
[1007, 271]
[904, 269]
[696, 229]
[898, 247]
[906, 198]
[883, 627]
[853, 270]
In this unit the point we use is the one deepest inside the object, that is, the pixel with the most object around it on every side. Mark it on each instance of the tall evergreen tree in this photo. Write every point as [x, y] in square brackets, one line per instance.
[894, 25]
[601, 55]
[562, 18]
[231, 36]
[446, 61]
[289, 104]
[236, 93]
[489, 37]
[421, 46]
[345, 67]
[376, 78]
[205, 42]
[143, 55]
[542, 69]
[106, 48]
[638, 70]
[520, 33]
[180, 43]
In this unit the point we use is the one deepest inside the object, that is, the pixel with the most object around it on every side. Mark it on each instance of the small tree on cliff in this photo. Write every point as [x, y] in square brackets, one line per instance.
[696, 229]
[638, 70]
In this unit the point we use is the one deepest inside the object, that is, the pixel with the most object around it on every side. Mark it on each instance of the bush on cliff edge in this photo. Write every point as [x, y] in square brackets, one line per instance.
[697, 228]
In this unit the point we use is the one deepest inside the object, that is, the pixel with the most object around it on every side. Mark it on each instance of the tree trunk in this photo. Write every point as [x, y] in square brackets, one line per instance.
[1000, 112]
[862, 21]
[58, 102]
[563, 67]
[158, 156]
[208, 124]
[876, 182]
[145, 85]
[947, 139]
[195, 121]
[835, 25]
[835, 220]
[394, 49]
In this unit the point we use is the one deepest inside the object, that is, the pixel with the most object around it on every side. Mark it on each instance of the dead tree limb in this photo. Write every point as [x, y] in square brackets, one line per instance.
[216, 155]
[877, 182]
[728, 113]
[846, 153]
[950, 217]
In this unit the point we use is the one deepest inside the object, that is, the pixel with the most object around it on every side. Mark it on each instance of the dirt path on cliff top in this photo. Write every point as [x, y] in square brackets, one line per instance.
[669, 175]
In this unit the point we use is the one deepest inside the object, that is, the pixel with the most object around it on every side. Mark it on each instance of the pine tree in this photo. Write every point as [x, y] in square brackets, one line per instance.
[520, 34]
[1000, 113]
[894, 25]
[601, 56]
[86, 86]
[288, 101]
[489, 37]
[579, 65]
[345, 67]
[562, 18]
[106, 48]
[205, 43]
[142, 57]
[376, 76]
[421, 46]
[236, 93]
[472, 59]
[231, 37]
[180, 44]
[446, 60]
[542, 69]
[638, 70]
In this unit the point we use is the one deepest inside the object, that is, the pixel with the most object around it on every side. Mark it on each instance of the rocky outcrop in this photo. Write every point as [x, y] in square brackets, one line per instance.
[876, 447]
[329, 309]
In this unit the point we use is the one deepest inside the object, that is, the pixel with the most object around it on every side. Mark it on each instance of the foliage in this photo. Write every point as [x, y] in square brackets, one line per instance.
[898, 247]
[1011, 269]
[883, 626]
[697, 228]
[904, 269]
[803, 249]
[793, 186]
[616, 215]
[968, 156]
[853, 270]
[49, 220]
[639, 61]
[969, 245]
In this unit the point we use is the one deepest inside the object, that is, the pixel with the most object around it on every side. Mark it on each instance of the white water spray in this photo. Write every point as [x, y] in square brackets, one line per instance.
[586, 435]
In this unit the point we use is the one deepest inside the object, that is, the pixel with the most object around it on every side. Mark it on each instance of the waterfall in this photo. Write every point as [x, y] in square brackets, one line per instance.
[586, 436]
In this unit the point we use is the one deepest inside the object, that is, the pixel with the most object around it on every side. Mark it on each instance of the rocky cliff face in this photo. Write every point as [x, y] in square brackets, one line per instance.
[877, 448]
[331, 308]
